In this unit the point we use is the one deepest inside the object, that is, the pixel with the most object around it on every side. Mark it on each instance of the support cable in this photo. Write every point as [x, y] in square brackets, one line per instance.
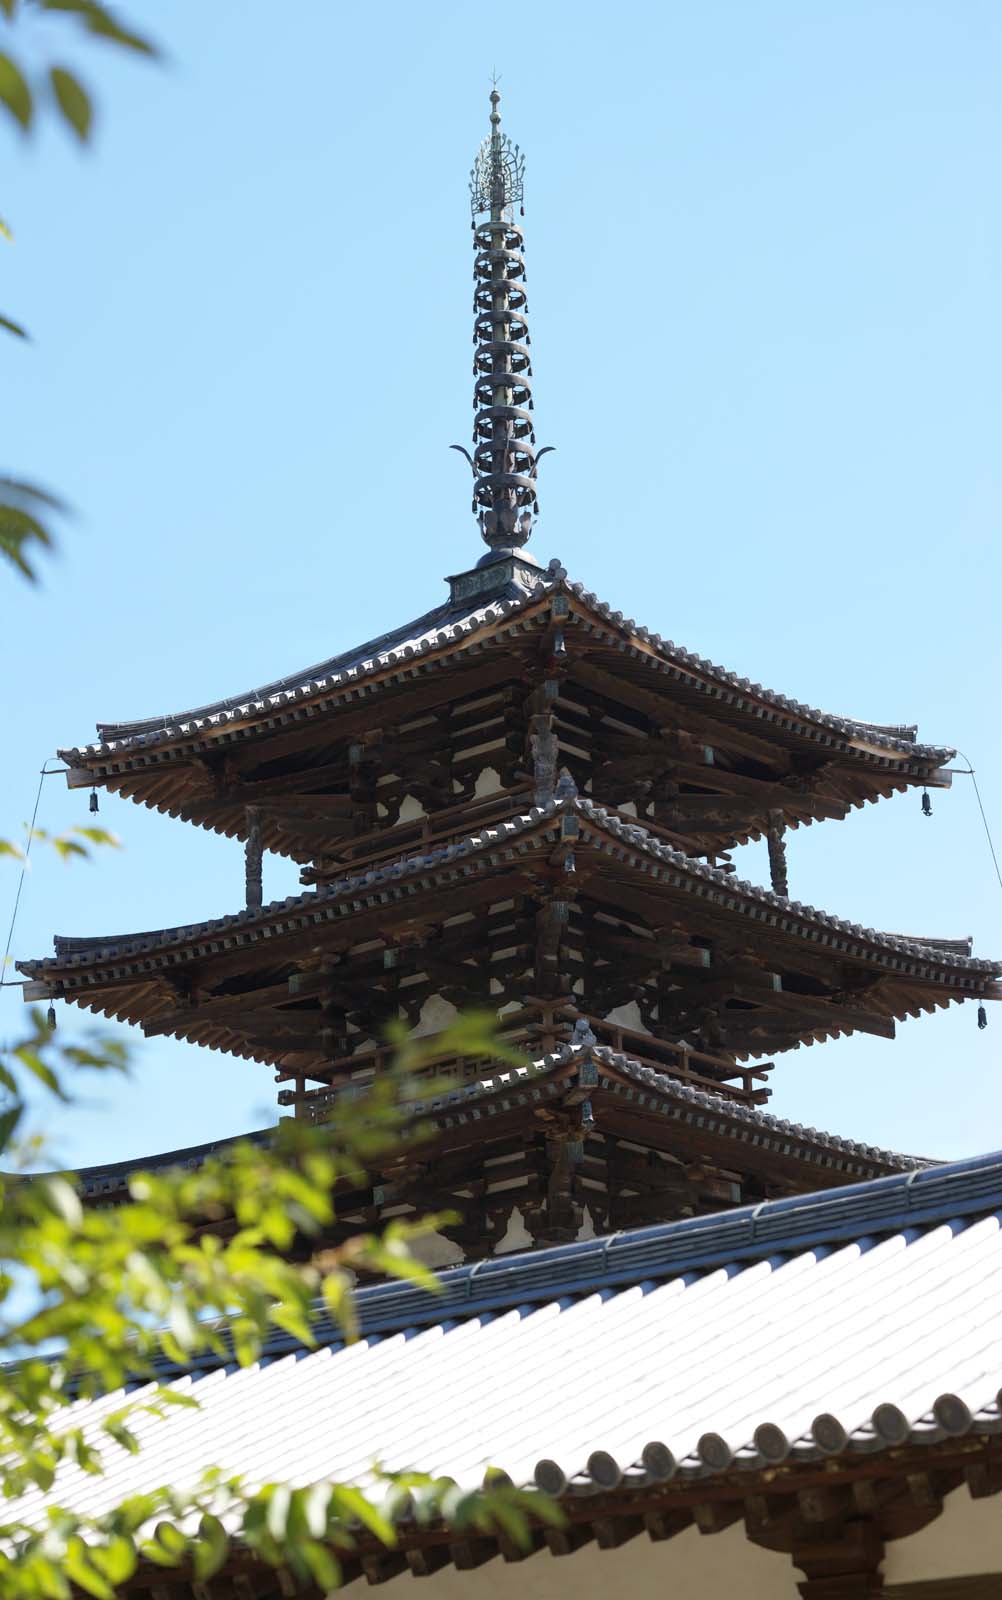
[46, 772]
[969, 772]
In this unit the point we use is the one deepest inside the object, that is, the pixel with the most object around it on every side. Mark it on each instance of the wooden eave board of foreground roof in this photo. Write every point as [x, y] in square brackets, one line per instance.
[835, 1520]
[713, 960]
[629, 711]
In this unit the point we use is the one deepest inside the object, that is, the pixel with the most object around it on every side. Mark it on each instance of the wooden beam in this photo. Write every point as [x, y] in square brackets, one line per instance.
[664, 709]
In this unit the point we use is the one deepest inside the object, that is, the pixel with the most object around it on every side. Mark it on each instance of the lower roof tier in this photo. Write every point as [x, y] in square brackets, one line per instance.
[583, 1137]
[566, 900]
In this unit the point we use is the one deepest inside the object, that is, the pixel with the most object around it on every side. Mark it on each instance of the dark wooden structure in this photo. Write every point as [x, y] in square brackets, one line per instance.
[521, 800]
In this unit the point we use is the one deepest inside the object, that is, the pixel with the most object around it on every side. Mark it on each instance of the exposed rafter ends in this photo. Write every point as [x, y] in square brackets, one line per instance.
[564, 900]
[545, 669]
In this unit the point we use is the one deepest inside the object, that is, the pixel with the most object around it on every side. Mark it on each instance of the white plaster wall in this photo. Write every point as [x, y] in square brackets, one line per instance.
[628, 1016]
[488, 783]
[411, 810]
[436, 1251]
[964, 1540]
[436, 1014]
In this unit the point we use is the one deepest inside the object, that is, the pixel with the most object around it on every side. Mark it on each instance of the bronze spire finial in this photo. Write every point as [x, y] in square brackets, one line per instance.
[504, 458]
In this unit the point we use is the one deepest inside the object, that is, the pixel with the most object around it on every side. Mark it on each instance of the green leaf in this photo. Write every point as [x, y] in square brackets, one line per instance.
[30, 1058]
[30, 491]
[324, 1568]
[171, 1540]
[14, 92]
[73, 101]
[351, 1503]
[117, 1560]
[116, 1429]
[14, 327]
[63, 1199]
[83, 1573]
[100, 836]
[340, 1301]
[97, 19]
[8, 1124]
[277, 1514]
[211, 1549]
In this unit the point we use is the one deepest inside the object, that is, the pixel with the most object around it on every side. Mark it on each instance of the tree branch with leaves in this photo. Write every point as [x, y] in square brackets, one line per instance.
[28, 91]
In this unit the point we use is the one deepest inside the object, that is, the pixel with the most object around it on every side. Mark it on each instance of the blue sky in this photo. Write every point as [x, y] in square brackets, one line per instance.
[764, 247]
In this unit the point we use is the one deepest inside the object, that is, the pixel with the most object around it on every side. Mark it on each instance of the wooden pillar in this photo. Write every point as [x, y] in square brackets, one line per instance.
[777, 853]
[253, 857]
[544, 749]
[558, 1217]
[551, 927]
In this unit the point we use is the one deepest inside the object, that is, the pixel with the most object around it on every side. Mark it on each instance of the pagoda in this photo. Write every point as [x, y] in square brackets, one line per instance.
[523, 801]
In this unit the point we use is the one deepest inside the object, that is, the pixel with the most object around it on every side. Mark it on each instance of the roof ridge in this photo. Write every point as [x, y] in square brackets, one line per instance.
[435, 628]
[881, 1206]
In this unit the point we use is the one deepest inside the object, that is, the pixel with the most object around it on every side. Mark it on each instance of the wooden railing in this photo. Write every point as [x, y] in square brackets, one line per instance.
[534, 1031]
[403, 838]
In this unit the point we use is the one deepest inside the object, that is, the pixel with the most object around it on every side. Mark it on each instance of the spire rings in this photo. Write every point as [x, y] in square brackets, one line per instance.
[509, 318]
[504, 458]
[516, 386]
[483, 295]
[503, 359]
[519, 420]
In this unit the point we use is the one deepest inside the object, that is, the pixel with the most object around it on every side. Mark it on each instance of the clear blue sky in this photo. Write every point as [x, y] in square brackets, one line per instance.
[764, 249]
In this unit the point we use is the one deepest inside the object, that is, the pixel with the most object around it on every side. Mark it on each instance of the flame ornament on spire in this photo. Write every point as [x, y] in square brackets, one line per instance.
[504, 455]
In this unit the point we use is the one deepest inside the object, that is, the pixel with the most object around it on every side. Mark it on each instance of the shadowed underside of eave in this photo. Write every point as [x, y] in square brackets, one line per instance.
[627, 707]
[492, 919]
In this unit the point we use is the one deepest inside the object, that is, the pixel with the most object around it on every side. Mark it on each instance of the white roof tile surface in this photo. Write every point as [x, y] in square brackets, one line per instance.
[891, 1336]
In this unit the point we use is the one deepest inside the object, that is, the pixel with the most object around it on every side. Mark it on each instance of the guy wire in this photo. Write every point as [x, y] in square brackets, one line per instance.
[46, 772]
[988, 832]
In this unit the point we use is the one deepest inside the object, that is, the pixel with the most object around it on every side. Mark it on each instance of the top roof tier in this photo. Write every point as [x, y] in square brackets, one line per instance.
[323, 761]
[519, 671]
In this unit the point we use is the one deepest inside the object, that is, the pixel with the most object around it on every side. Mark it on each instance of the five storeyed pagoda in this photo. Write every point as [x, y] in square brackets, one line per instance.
[523, 801]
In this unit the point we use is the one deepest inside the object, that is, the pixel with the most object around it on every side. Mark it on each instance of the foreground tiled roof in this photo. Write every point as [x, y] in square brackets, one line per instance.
[822, 1326]
[447, 625]
[603, 828]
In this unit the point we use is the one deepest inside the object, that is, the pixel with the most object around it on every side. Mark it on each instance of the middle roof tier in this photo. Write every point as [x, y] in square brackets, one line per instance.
[563, 910]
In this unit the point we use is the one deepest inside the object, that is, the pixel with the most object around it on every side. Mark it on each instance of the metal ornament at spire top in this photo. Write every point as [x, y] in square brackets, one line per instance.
[498, 174]
[504, 456]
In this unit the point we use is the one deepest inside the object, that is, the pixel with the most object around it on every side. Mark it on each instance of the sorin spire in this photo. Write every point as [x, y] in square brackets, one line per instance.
[504, 458]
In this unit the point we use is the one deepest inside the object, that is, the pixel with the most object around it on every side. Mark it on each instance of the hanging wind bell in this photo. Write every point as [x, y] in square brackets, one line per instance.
[50, 1016]
[982, 1017]
[926, 804]
[93, 801]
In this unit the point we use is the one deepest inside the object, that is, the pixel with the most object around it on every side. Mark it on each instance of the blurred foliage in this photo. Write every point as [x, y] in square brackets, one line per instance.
[29, 89]
[69, 845]
[93, 1299]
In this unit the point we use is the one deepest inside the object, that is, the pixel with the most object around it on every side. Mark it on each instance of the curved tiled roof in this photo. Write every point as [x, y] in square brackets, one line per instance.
[484, 1096]
[314, 906]
[802, 1330]
[683, 1099]
[447, 625]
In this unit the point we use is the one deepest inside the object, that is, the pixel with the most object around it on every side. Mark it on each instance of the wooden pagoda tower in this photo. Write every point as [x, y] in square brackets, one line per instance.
[525, 801]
